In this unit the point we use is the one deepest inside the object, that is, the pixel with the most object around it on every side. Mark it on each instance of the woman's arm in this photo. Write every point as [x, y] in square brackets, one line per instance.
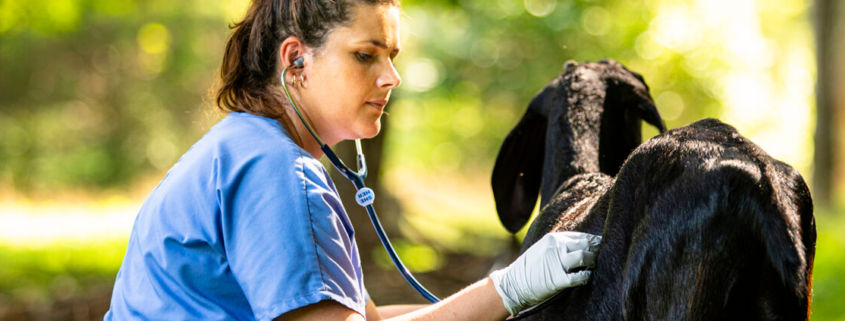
[546, 267]
[389, 311]
[478, 301]
[373, 313]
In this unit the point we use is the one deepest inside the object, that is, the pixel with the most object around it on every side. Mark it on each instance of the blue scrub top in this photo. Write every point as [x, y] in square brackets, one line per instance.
[246, 226]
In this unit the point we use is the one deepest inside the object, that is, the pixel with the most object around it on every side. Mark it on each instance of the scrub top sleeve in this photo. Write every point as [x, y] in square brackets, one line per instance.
[287, 238]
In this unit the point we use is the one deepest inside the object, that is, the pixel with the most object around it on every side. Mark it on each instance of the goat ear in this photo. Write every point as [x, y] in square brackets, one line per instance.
[648, 112]
[518, 171]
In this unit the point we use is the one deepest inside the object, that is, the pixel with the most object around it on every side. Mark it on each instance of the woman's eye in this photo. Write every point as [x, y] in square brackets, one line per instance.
[364, 57]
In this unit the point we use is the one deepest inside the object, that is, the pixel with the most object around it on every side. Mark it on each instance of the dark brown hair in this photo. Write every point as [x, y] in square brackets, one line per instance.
[250, 72]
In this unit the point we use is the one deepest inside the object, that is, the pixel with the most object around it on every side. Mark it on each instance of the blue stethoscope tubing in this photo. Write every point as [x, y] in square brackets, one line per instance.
[357, 178]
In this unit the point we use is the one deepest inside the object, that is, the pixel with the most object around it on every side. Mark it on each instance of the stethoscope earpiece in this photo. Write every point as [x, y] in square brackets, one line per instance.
[299, 62]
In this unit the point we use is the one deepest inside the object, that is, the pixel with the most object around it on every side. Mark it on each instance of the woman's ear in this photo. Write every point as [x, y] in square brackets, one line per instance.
[518, 171]
[291, 49]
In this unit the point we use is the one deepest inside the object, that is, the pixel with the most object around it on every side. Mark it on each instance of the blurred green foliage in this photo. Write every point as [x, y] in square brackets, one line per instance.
[95, 93]
[471, 67]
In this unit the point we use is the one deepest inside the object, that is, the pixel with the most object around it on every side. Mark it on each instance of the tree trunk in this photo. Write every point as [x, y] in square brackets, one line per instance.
[825, 12]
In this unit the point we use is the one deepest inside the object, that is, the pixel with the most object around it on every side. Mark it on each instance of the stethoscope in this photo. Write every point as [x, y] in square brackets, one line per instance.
[365, 197]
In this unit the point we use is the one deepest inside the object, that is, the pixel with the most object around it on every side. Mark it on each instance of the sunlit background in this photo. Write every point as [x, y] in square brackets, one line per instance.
[98, 99]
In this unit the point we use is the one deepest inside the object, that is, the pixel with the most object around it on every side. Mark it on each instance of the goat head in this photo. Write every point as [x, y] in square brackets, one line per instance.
[699, 223]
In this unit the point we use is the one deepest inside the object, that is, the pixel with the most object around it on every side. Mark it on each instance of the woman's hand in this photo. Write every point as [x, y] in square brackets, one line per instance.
[546, 268]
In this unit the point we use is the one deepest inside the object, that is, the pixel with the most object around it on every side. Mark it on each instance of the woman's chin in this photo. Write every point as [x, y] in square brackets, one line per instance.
[373, 130]
[369, 131]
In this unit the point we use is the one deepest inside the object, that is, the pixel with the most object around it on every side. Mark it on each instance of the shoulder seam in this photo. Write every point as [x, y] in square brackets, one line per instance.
[301, 165]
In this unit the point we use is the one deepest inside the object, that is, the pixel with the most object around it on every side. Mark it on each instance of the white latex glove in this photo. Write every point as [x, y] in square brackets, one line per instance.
[544, 269]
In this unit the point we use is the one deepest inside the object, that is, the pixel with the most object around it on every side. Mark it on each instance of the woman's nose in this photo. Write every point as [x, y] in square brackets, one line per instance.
[389, 78]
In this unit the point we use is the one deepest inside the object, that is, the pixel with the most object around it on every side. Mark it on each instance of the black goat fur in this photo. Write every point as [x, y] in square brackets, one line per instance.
[699, 223]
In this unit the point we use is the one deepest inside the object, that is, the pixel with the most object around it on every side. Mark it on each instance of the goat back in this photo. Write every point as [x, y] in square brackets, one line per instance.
[699, 224]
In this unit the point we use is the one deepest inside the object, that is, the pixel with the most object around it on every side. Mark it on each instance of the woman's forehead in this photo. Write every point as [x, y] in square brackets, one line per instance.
[371, 24]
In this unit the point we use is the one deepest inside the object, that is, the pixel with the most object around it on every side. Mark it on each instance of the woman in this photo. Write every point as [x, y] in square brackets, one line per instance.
[248, 225]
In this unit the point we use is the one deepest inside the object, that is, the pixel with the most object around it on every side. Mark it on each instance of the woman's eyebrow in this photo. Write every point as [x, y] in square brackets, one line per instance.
[381, 45]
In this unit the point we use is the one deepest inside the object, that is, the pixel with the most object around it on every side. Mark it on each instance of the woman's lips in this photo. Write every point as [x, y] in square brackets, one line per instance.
[377, 103]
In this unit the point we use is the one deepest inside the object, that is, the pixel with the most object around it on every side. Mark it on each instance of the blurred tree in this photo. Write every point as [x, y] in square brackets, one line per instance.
[825, 17]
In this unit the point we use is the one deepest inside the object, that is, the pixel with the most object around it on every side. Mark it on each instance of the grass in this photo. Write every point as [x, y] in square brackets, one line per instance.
[829, 269]
[59, 271]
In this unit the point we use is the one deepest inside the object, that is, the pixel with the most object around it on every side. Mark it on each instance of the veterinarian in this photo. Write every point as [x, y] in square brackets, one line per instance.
[247, 225]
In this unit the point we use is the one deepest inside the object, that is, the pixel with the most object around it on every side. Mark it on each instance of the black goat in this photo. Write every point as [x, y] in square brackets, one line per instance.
[698, 224]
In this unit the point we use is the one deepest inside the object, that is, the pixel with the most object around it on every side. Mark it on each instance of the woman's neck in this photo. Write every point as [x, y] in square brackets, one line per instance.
[308, 143]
